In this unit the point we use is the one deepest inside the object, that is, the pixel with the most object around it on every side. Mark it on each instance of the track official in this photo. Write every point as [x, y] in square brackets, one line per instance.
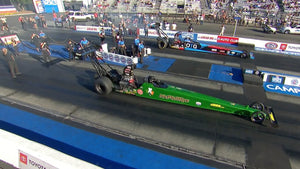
[141, 49]
[13, 67]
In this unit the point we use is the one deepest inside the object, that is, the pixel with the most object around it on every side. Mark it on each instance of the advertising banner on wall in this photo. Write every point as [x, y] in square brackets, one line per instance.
[207, 37]
[281, 83]
[27, 161]
[278, 47]
[38, 6]
[50, 6]
[228, 40]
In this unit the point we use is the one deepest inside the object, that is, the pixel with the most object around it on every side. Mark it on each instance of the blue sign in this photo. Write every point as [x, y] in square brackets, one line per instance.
[282, 89]
[50, 6]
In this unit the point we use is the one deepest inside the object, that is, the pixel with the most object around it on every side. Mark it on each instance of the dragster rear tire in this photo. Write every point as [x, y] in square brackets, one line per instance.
[245, 54]
[187, 45]
[196, 46]
[162, 44]
[258, 117]
[103, 85]
[258, 106]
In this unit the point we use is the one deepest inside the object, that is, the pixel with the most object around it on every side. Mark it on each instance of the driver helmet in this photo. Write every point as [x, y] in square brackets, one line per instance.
[128, 70]
[151, 79]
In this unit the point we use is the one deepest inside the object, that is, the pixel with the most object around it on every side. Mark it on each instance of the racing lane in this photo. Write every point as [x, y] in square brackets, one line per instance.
[216, 134]
[262, 60]
[72, 100]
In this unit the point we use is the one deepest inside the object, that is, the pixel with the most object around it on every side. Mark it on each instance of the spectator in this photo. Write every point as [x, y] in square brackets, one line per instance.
[113, 33]
[37, 20]
[13, 67]
[146, 29]
[190, 28]
[122, 46]
[23, 23]
[222, 30]
[202, 19]
[54, 15]
[43, 21]
[117, 39]
[84, 43]
[4, 25]
[102, 35]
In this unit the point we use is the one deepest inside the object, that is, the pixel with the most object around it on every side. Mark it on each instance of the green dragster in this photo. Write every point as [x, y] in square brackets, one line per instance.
[151, 88]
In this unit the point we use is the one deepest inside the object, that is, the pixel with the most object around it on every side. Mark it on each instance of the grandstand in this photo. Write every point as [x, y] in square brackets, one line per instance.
[222, 11]
[154, 6]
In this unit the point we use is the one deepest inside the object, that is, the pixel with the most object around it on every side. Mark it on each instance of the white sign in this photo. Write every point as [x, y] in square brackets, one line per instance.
[207, 37]
[27, 161]
[116, 58]
[7, 39]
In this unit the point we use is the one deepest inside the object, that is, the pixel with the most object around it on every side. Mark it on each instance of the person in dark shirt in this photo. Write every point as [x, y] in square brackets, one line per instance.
[122, 47]
[141, 49]
[10, 58]
[36, 41]
[45, 51]
[70, 48]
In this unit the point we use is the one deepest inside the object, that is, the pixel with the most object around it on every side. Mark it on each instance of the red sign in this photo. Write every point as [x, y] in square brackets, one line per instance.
[283, 46]
[227, 39]
[23, 158]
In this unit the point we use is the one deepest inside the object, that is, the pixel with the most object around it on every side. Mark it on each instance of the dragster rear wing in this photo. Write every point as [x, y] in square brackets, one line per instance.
[272, 117]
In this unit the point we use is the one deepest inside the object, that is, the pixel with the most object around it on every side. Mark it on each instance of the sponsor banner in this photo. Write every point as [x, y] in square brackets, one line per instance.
[281, 79]
[293, 47]
[153, 33]
[278, 47]
[278, 51]
[116, 58]
[50, 6]
[38, 6]
[228, 40]
[282, 89]
[207, 37]
[27, 161]
[93, 29]
[7, 39]
[7, 9]
[281, 83]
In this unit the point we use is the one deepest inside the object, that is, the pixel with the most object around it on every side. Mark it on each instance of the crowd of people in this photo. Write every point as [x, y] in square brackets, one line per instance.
[35, 22]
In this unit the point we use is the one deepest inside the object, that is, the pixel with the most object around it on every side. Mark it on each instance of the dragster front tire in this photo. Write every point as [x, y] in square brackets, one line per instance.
[103, 85]
[258, 117]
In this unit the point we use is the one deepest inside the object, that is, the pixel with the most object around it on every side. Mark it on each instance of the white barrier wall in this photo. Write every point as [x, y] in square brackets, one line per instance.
[26, 154]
